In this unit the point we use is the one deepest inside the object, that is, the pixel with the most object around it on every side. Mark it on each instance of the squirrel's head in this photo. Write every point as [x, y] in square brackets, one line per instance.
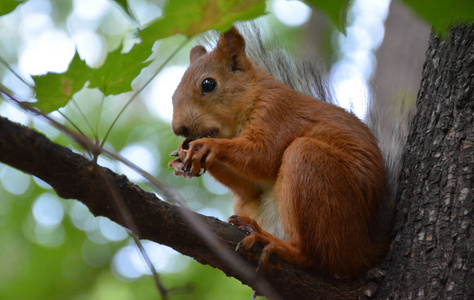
[212, 97]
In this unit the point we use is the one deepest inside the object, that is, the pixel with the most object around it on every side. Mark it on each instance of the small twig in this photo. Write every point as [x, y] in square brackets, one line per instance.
[159, 285]
[15, 73]
[83, 115]
[130, 224]
[72, 123]
[137, 92]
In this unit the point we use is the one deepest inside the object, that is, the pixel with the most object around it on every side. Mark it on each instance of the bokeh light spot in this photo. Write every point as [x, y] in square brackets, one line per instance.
[142, 156]
[48, 210]
[14, 181]
[291, 13]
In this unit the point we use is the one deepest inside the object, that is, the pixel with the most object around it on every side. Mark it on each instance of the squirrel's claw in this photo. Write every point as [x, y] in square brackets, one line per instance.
[254, 235]
[178, 166]
[198, 157]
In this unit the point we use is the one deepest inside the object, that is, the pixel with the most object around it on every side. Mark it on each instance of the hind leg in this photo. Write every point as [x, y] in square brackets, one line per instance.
[322, 206]
[304, 207]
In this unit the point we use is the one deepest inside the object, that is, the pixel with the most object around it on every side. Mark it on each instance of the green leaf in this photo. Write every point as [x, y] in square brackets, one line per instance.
[190, 17]
[122, 3]
[54, 90]
[442, 14]
[113, 77]
[119, 69]
[7, 6]
[336, 10]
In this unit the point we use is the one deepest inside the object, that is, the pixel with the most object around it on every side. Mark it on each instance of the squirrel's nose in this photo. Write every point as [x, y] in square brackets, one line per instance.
[182, 131]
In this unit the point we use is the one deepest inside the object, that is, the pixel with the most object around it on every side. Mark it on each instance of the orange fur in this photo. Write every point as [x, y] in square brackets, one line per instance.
[308, 171]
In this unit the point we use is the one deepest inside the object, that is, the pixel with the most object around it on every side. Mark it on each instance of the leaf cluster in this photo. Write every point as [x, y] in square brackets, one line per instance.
[191, 17]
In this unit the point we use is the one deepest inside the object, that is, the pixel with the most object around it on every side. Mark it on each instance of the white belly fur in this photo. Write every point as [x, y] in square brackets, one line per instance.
[269, 218]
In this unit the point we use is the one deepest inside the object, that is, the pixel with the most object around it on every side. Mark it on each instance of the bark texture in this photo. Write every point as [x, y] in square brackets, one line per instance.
[433, 252]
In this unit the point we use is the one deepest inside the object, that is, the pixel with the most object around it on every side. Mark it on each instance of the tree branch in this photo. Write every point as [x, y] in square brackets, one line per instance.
[73, 176]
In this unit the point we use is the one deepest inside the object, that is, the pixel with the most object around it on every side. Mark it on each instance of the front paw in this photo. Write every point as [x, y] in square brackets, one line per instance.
[199, 156]
[178, 166]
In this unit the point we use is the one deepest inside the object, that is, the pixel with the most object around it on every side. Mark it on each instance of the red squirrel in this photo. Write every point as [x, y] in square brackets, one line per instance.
[307, 176]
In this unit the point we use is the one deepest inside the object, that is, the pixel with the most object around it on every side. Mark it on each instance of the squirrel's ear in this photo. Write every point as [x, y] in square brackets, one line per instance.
[232, 46]
[197, 52]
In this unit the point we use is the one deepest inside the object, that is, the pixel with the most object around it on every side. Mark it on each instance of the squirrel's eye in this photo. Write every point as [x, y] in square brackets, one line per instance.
[208, 85]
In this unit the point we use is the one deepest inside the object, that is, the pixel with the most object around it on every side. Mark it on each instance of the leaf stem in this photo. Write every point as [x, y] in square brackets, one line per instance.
[134, 96]
[4, 62]
[159, 285]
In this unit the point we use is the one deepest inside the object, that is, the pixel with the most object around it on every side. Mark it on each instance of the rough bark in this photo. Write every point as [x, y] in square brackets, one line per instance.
[74, 177]
[433, 253]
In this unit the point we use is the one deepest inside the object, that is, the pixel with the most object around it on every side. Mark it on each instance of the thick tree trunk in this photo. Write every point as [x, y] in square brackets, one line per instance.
[433, 252]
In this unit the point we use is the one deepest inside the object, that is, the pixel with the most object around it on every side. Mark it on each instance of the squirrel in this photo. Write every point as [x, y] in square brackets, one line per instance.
[308, 177]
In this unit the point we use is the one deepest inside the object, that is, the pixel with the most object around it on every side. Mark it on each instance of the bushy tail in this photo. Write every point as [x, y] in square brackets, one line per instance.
[390, 125]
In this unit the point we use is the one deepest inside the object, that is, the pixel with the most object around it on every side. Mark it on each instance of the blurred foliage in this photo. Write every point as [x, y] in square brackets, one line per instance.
[7, 6]
[442, 14]
[187, 17]
[336, 10]
[190, 17]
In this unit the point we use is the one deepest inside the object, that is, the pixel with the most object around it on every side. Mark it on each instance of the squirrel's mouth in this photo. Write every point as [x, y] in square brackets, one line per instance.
[212, 133]
[208, 133]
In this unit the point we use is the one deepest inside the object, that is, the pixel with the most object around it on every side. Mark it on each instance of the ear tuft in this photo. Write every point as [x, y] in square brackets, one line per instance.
[196, 52]
[232, 46]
